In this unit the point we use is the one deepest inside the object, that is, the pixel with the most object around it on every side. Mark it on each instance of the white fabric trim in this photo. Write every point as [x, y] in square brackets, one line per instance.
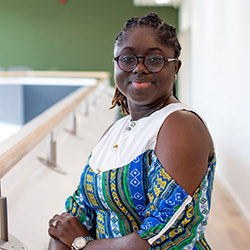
[118, 147]
[171, 221]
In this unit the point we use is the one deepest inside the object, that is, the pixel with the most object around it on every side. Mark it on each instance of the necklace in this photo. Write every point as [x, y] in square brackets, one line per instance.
[132, 123]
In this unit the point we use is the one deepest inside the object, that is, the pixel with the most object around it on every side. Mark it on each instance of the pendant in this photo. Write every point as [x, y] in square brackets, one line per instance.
[131, 125]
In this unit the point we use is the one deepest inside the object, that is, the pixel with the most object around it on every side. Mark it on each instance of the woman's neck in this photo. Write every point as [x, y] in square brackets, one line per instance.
[139, 111]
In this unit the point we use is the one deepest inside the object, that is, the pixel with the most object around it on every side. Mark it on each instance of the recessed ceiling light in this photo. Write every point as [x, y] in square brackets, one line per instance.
[162, 1]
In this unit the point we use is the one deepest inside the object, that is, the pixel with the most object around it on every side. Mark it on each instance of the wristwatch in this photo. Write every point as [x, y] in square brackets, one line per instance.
[80, 242]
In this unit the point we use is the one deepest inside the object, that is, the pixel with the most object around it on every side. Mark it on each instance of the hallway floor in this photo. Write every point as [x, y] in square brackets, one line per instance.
[226, 226]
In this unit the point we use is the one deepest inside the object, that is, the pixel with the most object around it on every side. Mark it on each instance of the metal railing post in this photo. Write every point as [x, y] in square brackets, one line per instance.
[7, 241]
[73, 124]
[51, 160]
[93, 98]
[85, 107]
[4, 217]
[51, 151]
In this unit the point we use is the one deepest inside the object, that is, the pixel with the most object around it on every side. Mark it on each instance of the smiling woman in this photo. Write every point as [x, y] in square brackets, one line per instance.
[148, 181]
[141, 84]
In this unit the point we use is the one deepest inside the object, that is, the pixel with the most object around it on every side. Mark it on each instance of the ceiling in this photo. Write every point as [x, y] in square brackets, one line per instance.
[174, 3]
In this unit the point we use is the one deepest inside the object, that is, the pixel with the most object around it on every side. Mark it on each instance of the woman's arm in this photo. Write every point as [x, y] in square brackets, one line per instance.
[56, 244]
[131, 241]
[69, 227]
[184, 148]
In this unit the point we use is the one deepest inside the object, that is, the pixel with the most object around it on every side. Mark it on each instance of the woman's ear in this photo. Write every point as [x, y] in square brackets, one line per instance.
[177, 66]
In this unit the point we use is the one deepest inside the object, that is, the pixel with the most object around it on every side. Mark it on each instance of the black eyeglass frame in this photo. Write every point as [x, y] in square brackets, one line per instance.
[143, 61]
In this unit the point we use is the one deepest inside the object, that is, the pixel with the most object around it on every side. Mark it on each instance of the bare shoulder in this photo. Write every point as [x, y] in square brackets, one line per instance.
[184, 147]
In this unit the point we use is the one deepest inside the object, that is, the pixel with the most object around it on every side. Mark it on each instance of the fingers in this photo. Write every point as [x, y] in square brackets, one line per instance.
[60, 219]
[55, 222]
[53, 227]
[66, 228]
[52, 221]
[53, 232]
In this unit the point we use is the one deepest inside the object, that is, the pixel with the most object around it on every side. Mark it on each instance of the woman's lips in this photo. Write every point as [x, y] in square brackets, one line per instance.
[140, 85]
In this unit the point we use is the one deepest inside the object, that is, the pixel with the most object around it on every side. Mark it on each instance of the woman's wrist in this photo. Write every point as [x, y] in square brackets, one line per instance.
[56, 244]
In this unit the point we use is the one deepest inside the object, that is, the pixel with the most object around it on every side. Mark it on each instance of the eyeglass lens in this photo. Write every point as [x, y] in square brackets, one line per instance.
[153, 63]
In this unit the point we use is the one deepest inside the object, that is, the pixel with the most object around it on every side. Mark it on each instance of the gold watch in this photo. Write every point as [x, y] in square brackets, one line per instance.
[80, 242]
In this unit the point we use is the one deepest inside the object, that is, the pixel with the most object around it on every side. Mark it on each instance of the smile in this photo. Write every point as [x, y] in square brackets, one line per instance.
[140, 85]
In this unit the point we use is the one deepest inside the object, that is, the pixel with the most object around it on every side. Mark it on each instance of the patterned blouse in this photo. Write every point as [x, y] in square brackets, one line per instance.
[140, 196]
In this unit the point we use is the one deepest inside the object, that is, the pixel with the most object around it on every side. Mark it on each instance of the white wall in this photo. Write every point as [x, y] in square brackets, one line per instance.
[11, 104]
[218, 62]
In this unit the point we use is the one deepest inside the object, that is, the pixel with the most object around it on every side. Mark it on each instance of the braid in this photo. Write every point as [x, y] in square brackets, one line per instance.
[167, 36]
[120, 100]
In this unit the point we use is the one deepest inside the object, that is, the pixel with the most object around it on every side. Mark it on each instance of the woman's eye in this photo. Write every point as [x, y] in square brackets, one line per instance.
[128, 59]
[155, 59]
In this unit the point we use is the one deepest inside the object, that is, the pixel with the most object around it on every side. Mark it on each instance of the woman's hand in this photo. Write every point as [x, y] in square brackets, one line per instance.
[66, 228]
[69, 227]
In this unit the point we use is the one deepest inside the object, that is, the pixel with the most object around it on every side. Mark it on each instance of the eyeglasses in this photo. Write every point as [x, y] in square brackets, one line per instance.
[153, 63]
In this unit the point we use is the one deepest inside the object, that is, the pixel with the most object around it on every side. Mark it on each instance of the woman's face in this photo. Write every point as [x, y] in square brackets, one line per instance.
[140, 86]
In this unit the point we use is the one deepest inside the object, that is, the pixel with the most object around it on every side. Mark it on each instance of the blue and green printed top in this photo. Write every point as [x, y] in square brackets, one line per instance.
[140, 196]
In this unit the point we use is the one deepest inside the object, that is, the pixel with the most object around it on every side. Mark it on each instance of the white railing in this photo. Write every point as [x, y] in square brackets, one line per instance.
[14, 150]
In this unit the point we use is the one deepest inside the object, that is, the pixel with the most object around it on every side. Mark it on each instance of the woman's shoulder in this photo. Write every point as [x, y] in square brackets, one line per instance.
[184, 147]
[188, 127]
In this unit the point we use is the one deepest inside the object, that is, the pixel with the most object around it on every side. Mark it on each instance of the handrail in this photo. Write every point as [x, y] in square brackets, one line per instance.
[82, 74]
[34, 132]
[17, 152]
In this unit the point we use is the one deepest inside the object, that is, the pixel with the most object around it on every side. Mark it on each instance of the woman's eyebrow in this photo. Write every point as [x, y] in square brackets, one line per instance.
[125, 48]
[156, 48]
[150, 49]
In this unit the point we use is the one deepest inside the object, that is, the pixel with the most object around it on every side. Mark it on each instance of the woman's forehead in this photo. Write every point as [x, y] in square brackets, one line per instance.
[140, 38]
[138, 35]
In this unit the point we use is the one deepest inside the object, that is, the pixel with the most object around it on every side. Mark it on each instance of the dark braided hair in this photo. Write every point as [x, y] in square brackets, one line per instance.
[167, 36]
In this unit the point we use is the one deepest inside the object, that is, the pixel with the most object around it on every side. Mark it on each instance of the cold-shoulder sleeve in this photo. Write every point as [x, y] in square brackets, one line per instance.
[173, 218]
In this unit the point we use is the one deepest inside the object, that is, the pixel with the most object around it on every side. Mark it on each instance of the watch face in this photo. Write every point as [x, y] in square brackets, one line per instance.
[80, 242]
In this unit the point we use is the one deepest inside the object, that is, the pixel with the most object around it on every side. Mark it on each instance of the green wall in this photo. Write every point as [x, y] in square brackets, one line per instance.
[78, 35]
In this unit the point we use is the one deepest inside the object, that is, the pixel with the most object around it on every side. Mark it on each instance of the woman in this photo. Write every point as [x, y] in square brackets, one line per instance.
[148, 182]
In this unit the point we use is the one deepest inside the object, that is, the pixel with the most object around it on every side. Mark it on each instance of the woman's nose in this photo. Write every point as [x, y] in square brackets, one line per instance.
[140, 67]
